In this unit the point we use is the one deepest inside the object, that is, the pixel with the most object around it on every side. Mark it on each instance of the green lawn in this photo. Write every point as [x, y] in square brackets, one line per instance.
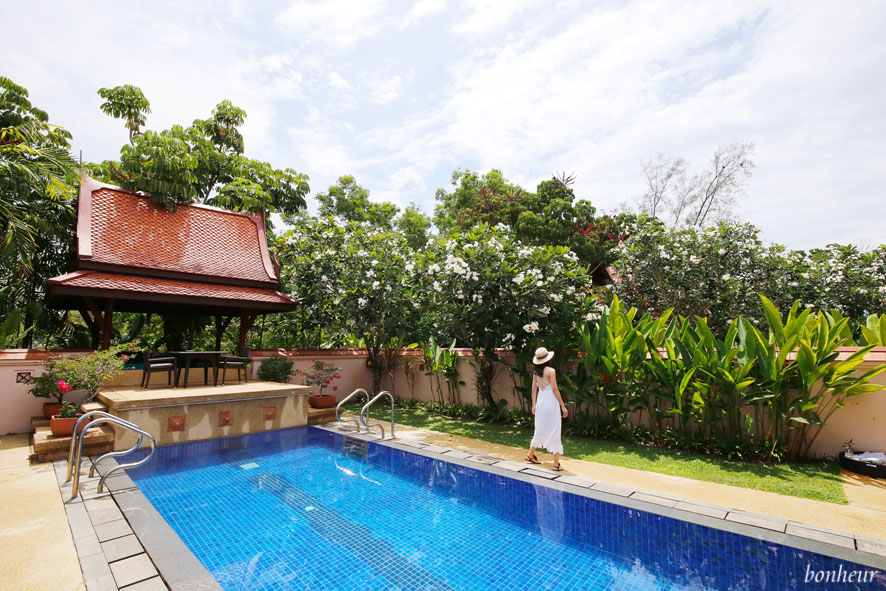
[820, 480]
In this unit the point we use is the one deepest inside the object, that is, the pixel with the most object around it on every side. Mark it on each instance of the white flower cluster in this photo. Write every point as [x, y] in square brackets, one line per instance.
[531, 328]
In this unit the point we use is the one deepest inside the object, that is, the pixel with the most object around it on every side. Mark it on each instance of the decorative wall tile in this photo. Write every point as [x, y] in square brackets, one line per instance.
[225, 418]
[175, 424]
[270, 413]
[23, 377]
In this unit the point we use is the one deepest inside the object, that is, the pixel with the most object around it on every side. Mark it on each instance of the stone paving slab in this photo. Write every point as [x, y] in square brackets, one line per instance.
[482, 460]
[814, 533]
[763, 521]
[132, 570]
[539, 473]
[613, 489]
[152, 584]
[703, 509]
[120, 548]
[577, 481]
[454, 453]
[656, 499]
[509, 465]
[877, 547]
[112, 530]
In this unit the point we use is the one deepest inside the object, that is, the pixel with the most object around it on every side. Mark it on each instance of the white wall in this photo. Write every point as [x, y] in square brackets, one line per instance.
[863, 420]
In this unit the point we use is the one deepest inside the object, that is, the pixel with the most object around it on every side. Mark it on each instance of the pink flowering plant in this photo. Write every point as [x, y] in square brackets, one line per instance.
[320, 374]
[65, 373]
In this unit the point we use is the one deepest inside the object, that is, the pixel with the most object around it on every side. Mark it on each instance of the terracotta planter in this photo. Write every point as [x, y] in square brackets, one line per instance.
[51, 408]
[324, 401]
[62, 427]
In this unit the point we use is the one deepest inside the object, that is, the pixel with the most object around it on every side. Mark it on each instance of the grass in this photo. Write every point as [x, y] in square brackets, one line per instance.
[820, 481]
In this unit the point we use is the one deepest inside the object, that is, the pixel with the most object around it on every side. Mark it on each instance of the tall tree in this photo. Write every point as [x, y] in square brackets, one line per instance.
[37, 176]
[349, 201]
[414, 225]
[204, 163]
[701, 199]
[551, 216]
[126, 102]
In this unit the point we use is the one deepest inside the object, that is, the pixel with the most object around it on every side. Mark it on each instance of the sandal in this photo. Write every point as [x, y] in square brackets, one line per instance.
[557, 468]
[532, 460]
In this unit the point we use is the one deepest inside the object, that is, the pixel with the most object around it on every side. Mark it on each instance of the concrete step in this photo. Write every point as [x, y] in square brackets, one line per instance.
[47, 447]
[39, 421]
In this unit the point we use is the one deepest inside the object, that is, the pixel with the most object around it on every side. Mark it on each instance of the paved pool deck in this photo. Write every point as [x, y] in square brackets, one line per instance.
[37, 549]
[36, 546]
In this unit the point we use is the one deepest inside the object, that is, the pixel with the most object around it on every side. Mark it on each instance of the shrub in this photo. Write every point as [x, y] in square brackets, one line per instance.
[81, 373]
[320, 374]
[275, 369]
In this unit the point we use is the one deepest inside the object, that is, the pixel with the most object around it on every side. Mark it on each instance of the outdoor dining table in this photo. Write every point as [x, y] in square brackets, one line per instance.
[184, 362]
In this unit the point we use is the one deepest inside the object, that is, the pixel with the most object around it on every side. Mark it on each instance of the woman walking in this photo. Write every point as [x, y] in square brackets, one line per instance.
[548, 407]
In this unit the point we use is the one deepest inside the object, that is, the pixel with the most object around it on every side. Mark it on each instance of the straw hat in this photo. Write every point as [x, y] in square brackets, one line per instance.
[542, 355]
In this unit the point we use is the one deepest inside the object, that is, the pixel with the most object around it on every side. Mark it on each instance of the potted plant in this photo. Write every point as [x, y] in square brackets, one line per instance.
[50, 385]
[63, 423]
[320, 374]
[64, 373]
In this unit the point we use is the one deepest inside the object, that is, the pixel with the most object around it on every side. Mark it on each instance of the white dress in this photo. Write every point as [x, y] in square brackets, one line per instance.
[547, 420]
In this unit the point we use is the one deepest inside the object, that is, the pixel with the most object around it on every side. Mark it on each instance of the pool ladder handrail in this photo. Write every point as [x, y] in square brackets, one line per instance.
[365, 411]
[345, 399]
[75, 455]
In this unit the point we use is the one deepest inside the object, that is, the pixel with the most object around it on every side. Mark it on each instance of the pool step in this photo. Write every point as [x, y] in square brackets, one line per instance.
[48, 448]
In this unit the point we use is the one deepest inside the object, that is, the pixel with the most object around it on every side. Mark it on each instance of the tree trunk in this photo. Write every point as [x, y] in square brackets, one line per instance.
[485, 371]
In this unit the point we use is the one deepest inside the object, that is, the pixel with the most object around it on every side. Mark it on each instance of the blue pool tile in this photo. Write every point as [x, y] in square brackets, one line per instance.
[309, 509]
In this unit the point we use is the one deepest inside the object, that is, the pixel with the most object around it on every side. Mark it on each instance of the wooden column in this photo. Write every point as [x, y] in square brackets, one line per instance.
[221, 325]
[101, 319]
[247, 317]
[93, 327]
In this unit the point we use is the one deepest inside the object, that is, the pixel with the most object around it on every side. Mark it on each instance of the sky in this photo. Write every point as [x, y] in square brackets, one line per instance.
[401, 94]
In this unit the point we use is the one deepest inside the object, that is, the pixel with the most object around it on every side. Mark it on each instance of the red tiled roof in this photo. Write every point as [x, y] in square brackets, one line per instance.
[125, 229]
[136, 287]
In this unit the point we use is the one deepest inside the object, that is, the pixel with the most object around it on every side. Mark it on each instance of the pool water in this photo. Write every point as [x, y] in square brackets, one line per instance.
[309, 509]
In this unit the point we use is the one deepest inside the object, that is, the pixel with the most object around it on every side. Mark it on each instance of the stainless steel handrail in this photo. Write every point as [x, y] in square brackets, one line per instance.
[114, 454]
[365, 411]
[74, 437]
[345, 399]
[76, 454]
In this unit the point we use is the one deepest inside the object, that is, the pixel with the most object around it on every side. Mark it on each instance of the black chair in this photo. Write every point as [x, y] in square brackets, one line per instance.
[157, 364]
[240, 362]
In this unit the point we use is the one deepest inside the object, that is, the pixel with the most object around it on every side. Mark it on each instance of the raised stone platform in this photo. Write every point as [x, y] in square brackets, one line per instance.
[179, 415]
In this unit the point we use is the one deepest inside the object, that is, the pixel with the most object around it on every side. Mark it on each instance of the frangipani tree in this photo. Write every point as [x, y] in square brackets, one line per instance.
[491, 291]
[353, 276]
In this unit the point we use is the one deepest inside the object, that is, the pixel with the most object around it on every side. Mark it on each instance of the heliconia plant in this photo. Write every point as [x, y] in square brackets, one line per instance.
[760, 390]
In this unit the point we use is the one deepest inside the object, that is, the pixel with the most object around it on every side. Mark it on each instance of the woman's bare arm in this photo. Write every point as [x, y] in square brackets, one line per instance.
[552, 378]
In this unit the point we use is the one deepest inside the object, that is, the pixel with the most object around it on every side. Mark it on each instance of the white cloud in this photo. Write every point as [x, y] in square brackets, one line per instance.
[337, 82]
[400, 95]
[422, 10]
[386, 90]
[338, 24]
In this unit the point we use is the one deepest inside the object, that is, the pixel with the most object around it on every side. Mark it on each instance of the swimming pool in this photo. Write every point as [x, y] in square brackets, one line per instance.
[310, 509]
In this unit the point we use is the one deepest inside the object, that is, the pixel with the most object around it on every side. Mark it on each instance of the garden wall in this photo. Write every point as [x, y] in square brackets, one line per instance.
[863, 420]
